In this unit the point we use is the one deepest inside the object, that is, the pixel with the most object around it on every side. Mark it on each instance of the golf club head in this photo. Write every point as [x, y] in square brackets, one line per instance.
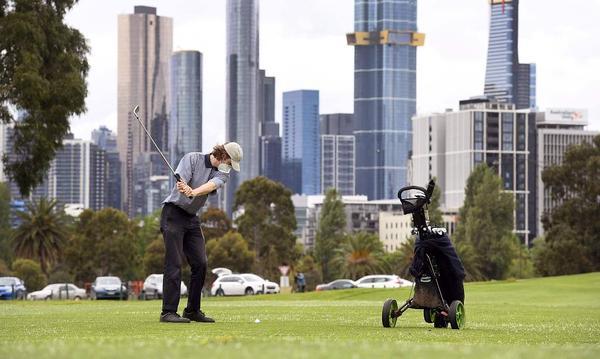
[136, 111]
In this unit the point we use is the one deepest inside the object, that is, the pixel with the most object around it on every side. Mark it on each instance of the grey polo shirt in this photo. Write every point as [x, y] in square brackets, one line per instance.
[195, 169]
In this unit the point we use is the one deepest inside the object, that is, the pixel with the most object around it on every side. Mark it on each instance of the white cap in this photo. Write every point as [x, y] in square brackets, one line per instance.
[234, 150]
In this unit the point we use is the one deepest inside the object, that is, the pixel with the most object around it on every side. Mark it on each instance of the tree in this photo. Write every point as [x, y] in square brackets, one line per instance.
[4, 271]
[331, 232]
[572, 242]
[30, 272]
[215, 223]
[400, 260]
[154, 257]
[486, 223]
[360, 255]
[433, 209]
[42, 234]
[147, 229]
[103, 244]
[564, 254]
[267, 222]
[44, 67]
[230, 251]
[5, 230]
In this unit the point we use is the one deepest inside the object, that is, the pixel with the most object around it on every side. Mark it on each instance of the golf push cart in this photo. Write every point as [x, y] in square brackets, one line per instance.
[438, 272]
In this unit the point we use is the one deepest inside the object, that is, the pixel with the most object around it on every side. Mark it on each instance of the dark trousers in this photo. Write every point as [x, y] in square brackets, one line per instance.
[183, 237]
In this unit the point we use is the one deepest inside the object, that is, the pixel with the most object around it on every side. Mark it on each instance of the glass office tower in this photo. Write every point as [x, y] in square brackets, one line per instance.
[506, 79]
[185, 122]
[242, 89]
[385, 59]
[300, 155]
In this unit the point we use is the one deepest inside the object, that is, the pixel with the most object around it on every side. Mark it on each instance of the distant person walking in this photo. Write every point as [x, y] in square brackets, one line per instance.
[300, 282]
[201, 175]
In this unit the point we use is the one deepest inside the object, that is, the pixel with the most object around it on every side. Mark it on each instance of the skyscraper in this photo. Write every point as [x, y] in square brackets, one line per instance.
[185, 121]
[270, 139]
[385, 61]
[338, 153]
[106, 140]
[144, 50]
[505, 78]
[242, 89]
[78, 174]
[300, 154]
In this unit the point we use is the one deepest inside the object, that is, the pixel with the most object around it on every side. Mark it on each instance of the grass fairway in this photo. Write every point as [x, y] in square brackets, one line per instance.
[537, 318]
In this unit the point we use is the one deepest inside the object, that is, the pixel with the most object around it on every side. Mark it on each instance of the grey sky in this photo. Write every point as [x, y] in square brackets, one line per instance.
[302, 44]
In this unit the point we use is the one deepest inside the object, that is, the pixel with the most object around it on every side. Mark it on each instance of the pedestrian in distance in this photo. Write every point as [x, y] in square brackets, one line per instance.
[201, 175]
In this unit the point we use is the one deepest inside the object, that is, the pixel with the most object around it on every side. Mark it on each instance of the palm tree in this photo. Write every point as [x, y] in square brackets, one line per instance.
[42, 233]
[400, 260]
[360, 255]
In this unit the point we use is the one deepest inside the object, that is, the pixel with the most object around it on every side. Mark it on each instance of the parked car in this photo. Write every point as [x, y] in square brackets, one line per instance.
[383, 281]
[221, 271]
[153, 287]
[108, 288]
[12, 288]
[337, 284]
[58, 291]
[269, 287]
[237, 284]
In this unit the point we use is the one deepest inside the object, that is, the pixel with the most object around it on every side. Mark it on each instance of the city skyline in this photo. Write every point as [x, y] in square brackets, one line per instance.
[456, 33]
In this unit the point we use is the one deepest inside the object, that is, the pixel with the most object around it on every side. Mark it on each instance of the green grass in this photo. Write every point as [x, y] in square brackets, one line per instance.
[537, 318]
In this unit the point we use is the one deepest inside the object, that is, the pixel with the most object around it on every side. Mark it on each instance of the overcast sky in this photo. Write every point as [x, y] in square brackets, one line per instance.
[303, 44]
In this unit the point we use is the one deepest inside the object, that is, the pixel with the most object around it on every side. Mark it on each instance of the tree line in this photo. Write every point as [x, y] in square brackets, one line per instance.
[48, 246]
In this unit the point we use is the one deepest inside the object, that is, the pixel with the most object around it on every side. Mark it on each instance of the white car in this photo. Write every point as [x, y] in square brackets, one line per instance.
[58, 291]
[153, 287]
[383, 281]
[269, 287]
[239, 284]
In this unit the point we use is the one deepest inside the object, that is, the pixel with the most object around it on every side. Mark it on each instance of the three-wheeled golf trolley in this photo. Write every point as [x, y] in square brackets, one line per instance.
[436, 267]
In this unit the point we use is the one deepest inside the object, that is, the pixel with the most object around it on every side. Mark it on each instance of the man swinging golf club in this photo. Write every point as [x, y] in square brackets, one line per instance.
[200, 175]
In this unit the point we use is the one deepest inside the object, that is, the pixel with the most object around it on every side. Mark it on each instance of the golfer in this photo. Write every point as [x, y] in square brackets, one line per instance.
[201, 175]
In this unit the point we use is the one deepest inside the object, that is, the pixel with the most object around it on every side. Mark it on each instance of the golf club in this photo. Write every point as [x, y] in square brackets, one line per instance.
[136, 109]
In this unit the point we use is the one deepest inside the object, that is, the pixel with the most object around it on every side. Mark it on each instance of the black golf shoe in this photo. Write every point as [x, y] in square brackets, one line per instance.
[173, 318]
[198, 316]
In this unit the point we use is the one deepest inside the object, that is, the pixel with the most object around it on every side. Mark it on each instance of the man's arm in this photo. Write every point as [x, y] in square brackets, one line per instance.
[214, 183]
[206, 188]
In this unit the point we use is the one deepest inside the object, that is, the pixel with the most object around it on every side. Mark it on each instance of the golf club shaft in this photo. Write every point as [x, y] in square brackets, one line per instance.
[135, 113]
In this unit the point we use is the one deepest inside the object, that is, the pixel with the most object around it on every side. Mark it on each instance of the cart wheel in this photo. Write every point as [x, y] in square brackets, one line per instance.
[389, 308]
[456, 315]
[440, 321]
[429, 315]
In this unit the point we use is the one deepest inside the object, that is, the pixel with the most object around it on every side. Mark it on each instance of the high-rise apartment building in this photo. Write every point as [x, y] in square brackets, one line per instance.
[385, 41]
[338, 153]
[144, 50]
[449, 145]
